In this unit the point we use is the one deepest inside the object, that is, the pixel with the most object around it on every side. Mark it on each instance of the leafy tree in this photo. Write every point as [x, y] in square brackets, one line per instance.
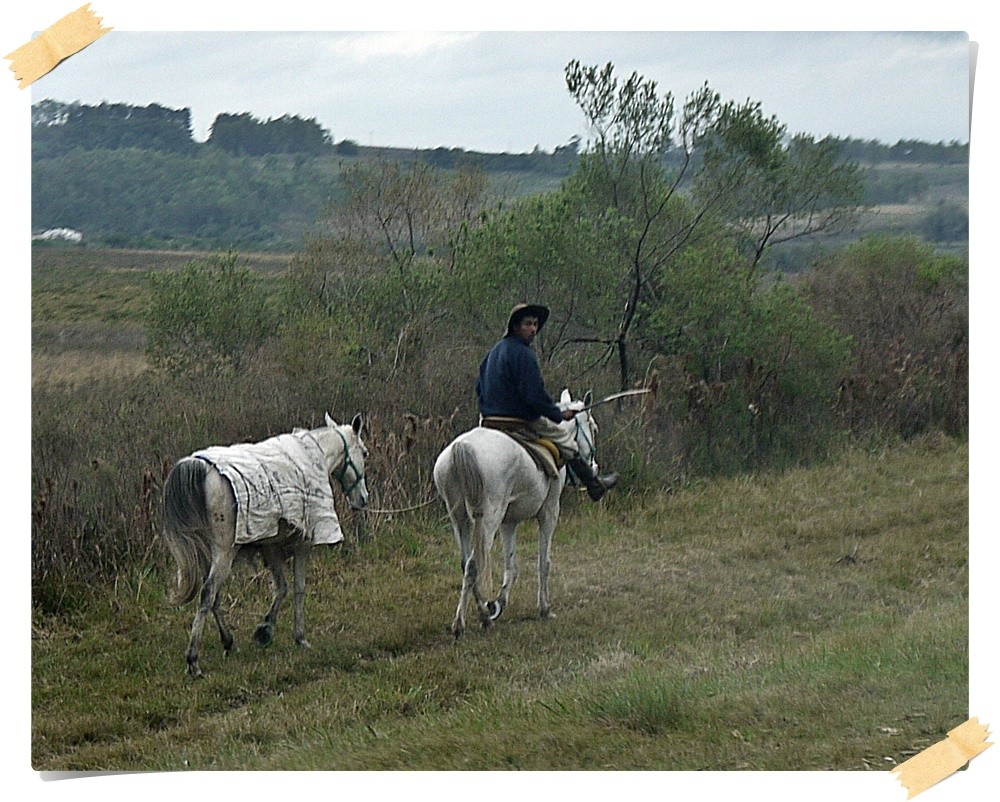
[210, 315]
[771, 191]
[729, 161]
[623, 172]
[751, 362]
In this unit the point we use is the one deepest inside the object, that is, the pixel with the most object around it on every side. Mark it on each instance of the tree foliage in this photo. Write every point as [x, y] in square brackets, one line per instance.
[59, 127]
[134, 176]
[728, 166]
[245, 135]
[748, 362]
[401, 211]
[547, 248]
[210, 200]
[771, 189]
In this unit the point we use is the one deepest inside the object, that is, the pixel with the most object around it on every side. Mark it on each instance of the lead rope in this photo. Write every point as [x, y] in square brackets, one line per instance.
[402, 509]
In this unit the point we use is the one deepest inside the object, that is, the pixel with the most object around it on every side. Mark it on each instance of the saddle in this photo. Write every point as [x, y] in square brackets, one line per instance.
[544, 452]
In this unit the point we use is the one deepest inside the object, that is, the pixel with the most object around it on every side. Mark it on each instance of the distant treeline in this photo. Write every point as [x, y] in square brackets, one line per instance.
[58, 128]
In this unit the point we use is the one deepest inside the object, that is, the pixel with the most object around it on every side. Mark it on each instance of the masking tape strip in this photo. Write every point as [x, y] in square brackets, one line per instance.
[944, 758]
[56, 43]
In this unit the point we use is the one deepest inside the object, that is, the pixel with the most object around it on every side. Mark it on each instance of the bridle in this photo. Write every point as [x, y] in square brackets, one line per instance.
[348, 463]
[585, 432]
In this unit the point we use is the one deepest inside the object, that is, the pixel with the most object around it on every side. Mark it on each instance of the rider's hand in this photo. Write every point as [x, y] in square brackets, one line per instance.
[569, 414]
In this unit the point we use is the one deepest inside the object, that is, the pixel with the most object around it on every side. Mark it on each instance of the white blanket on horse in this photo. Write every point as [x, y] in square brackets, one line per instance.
[283, 477]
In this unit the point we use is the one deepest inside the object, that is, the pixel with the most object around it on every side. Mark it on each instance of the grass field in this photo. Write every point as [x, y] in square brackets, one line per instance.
[809, 620]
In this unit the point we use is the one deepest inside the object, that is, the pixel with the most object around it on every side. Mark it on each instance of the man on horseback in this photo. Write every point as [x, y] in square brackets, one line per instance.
[510, 389]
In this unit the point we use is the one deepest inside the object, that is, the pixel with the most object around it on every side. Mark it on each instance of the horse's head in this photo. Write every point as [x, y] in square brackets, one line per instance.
[584, 426]
[346, 465]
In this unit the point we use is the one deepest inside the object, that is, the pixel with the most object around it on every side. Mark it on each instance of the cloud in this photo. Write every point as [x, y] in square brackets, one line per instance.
[363, 47]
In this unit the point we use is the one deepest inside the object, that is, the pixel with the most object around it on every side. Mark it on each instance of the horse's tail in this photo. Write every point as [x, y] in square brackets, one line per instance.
[466, 472]
[186, 527]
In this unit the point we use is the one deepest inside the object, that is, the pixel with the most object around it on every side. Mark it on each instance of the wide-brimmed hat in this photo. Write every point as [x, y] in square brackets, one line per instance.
[527, 310]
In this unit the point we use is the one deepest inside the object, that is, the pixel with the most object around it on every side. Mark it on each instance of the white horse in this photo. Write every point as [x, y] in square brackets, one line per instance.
[202, 518]
[489, 482]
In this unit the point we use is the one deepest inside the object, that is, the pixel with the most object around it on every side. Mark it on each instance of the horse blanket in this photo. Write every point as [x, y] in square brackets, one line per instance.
[283, 477]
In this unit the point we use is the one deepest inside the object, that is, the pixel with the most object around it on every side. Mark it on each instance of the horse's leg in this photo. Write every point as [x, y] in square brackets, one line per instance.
[224, 634]
[485, 527]
[264, 633]
[462, 527]
[507, 533]
[222, 563]
[547, 518]
[300, 555]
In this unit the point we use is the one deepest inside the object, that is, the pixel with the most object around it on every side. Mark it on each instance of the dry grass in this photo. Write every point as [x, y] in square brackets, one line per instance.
[77, 366]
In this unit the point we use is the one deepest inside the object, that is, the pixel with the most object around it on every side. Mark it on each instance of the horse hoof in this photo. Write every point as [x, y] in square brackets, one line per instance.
[263, 635]
[194, 671]
[303, 643]
[546, 615]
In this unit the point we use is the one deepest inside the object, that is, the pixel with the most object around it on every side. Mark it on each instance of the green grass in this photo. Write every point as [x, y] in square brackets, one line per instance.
[808, 620]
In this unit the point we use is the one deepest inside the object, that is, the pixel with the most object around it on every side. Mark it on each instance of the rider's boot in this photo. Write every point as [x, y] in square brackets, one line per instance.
[596, 485]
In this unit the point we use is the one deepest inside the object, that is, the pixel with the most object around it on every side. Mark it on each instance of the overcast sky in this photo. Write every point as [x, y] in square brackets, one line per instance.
[505, 91]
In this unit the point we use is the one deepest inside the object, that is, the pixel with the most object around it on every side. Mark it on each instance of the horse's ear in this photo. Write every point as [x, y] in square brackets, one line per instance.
[356, 423]
[330, 421]
[565, 398]
[588, 398]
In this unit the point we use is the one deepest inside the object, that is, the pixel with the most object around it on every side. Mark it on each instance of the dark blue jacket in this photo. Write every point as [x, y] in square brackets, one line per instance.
[510, 383]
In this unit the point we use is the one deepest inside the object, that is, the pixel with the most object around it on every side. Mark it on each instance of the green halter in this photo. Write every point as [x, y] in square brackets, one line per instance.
[348, 463]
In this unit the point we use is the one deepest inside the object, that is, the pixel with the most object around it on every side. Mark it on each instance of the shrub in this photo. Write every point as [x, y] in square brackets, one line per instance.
[905, 308]
[212, 314]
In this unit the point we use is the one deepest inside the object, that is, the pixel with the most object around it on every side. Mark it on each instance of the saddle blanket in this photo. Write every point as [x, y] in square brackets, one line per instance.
[544, 452]
[283, 477]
